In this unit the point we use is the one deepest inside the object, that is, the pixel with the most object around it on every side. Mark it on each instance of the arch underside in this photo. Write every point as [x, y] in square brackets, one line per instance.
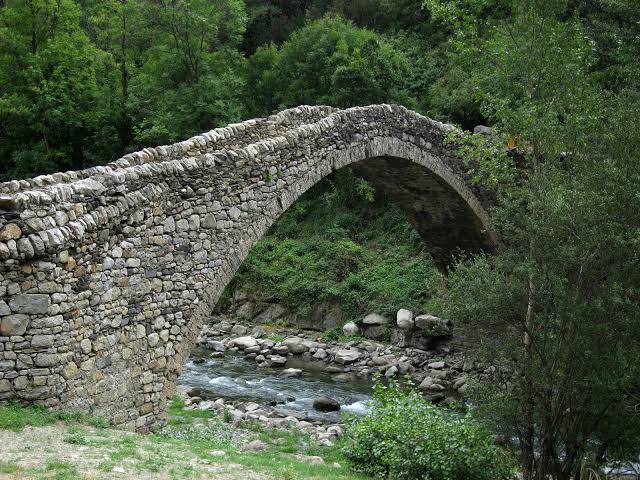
[126, 293]
[443, 219]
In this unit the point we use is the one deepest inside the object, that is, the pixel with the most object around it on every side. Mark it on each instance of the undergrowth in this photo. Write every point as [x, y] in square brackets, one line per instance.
[341, 243]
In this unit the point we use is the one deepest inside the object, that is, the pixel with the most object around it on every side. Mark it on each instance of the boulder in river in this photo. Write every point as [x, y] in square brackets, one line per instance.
[345, 356]
[244, 342]
[296, 345]
[215, 345]
[326, 404]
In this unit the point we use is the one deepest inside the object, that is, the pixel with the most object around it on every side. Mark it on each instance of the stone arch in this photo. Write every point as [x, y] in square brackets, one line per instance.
[108, 273]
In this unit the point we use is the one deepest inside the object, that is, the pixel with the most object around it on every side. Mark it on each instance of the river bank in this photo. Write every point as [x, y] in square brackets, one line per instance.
[38, 444]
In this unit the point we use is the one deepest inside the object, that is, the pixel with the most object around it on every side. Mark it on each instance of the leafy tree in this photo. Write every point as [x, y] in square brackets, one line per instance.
[54, 106]
[565, 284]
[190, 77]
[330, 61]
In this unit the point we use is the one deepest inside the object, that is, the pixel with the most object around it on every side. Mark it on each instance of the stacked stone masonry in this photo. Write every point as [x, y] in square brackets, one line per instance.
[107, 274]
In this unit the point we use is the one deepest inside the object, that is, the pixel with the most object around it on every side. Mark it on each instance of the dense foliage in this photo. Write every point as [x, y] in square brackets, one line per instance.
[405, 437]
[82, 82]
[341, 243]
[565, 285]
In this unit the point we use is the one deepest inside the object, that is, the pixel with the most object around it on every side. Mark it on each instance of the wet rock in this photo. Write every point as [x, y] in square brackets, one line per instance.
[216, 346]
[326, 404]
[345, 357]
[280, 349]
[259, 332]
[277, 360]
[194, 392]
[296, 345]
[292, 372]
[244, 342]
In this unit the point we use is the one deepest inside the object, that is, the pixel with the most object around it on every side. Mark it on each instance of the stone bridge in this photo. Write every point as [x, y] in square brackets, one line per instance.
[107, 274]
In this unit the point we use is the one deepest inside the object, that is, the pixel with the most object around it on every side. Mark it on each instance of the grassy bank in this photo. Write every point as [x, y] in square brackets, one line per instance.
[40, 444]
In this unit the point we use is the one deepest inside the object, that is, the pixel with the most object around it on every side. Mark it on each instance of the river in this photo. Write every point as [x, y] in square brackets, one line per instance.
[235, 378]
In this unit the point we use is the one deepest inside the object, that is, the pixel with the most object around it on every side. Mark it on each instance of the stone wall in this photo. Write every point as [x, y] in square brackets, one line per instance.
[107, 274]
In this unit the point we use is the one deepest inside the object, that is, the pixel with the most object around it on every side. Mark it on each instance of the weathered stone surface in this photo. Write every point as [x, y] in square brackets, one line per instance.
[350, 328]
[70, 370]
[30, 303]
[85, 345]
[10, 231]
[122, 263]
[404, 319]
[296, 345]
[326, 404]
[244, 342]
[345, 356]
[375, 319]
[42, 341]
[13, 325]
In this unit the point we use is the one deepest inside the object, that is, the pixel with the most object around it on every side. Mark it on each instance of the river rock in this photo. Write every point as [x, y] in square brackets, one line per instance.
[344, 356]
[351, 329]
[375, 319]
[258, 332]
[216, 346]
[239, 330]
[244, 342]
[326, 404]
[277, 360]
[296, 345]
[404, 319]
[292, 372]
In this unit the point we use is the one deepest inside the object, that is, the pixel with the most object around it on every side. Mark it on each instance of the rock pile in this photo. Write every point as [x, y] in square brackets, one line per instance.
[434, 364]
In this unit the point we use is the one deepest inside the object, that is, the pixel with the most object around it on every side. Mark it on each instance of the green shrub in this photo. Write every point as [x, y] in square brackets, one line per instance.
[405, 437]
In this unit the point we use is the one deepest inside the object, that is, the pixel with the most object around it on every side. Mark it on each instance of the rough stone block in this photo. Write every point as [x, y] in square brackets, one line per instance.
[30, 303]
[12, 325]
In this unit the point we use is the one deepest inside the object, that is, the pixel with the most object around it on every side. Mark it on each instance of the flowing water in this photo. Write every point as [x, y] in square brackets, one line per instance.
[233, 377]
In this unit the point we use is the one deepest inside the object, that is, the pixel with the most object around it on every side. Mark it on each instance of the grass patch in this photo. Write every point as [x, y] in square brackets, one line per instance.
[61, 471]
[7, 467]
[180, 415]
[15, 417]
